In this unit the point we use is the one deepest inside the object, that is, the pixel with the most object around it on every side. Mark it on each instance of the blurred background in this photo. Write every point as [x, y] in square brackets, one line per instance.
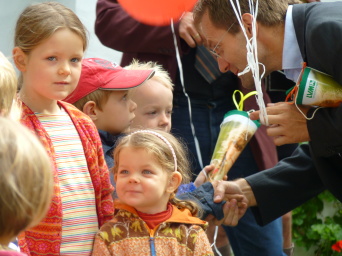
[85, 9]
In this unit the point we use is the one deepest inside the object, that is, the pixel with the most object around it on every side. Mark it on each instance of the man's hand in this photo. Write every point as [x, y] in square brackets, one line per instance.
[232, 214]
[236, 205]
[287, 124]
[188, 32]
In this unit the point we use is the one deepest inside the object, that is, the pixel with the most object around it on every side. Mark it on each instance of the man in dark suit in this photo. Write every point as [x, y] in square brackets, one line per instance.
[286, 36]
[209, 102]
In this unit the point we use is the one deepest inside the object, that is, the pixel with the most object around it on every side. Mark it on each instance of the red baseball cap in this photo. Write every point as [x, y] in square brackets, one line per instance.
[100, 74]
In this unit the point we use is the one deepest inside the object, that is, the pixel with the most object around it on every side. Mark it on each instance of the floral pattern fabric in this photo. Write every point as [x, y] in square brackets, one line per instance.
[127, 234]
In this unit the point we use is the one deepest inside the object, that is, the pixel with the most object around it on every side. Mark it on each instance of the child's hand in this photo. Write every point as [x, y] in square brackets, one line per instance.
[202, 176]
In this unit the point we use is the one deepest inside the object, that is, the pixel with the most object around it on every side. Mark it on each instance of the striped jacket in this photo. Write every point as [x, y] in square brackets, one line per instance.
[45, 238]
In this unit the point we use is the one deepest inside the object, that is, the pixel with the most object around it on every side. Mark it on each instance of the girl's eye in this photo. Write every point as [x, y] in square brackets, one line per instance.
[123, 172]
[152, 113]
[146, 172]
[75, 60]
[52, 58]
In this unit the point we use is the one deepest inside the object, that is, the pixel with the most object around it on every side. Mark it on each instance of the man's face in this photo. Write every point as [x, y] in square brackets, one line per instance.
[231, 49]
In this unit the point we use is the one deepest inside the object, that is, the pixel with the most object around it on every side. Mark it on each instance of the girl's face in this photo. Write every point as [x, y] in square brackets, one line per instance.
[52, 69]
[154, 106]
[141, 181]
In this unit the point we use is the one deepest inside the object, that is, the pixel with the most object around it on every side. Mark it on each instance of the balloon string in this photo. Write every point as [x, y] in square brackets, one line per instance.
[214, 242]
[181, 76]
[239, 105]
[252, 55]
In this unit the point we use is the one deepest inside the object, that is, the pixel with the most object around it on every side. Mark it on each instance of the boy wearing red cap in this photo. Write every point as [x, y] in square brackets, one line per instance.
[101, 93]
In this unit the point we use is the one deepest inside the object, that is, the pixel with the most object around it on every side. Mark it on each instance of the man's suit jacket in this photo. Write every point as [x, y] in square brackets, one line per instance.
[316, 166]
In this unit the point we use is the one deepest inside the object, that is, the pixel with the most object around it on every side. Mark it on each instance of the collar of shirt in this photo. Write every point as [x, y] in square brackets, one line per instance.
[292, 57]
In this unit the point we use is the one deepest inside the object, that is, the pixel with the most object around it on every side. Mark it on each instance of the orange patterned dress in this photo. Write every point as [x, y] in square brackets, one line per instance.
[127, 234]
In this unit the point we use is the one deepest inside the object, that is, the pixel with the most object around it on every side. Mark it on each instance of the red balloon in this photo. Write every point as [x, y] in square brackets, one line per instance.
[157, 12]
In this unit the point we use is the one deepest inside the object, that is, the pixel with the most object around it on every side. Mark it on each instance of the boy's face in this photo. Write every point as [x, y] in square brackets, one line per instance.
[154, 106]
[117, 113]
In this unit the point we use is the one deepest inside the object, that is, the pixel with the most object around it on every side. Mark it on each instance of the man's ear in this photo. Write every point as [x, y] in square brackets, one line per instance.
[247, 21]
[175, 181]
[90, 109]
[20, 59]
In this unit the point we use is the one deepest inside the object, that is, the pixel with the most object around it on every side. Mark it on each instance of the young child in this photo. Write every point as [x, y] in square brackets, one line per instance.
[102, 94]
[150, 220]
[153, 98]
[26, 182]
[50, 42]
[8, 89]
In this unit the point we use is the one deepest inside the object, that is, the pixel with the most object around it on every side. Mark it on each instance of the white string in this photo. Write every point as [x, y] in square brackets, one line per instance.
[307, 118]
[249, 120]
[214, 242]
[198, 150]
[205, 173]
[252, 56]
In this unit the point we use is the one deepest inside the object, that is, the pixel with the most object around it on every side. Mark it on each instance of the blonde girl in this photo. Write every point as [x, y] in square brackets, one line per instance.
[149, 167]
[153, 98]
[25, 179]
[50, 41]
[8, 89]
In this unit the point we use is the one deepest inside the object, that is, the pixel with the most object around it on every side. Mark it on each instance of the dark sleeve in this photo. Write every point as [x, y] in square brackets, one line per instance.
[324, 54]
[284, 187]
[117, 30]
[204, 196]
[325, 131]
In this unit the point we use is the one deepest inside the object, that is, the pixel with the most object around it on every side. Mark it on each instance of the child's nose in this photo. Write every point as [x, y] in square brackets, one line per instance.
[64, 69]
[164, 120]
[133, 179]
[133, 106]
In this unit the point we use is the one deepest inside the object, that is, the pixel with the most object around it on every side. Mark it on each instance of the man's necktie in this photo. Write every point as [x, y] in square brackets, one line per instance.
[206, 64]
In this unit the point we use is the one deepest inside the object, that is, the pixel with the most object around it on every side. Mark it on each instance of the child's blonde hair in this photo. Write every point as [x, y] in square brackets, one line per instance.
[161, 151]
[160, 74]
[8, 86]
[100, 97]
[40, 21]
[26, 178]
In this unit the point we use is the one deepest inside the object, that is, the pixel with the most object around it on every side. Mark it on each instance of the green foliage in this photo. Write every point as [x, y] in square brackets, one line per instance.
[312, 229]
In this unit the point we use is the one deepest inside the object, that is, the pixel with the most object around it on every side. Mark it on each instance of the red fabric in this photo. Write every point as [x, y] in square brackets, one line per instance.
[152, 220]
[45, 238]
[11, 253]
